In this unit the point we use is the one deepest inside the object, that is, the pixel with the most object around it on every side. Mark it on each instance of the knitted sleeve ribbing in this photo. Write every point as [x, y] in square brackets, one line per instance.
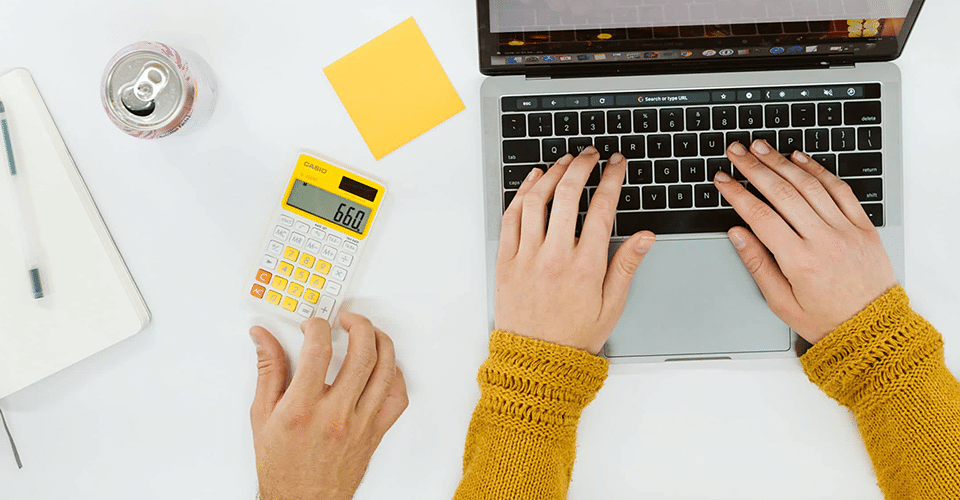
[521, 443]
[886, 365]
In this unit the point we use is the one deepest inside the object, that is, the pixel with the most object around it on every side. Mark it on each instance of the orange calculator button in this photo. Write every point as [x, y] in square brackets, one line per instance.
[307, 260]
[317, 281]
[301, 275]
[289, 303]
[264, 277]
[295, 289]
[274, 297]
[279, 283]
[258, 291]
[311, 296]
[291, 254]
[285, 268]
[323, 267]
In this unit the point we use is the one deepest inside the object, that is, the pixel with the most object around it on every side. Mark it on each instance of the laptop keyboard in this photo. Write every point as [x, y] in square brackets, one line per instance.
[675, 142]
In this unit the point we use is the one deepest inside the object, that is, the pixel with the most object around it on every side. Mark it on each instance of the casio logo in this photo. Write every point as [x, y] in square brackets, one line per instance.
[318, 168]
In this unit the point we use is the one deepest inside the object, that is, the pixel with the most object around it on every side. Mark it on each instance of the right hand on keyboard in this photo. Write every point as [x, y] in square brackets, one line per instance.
[827, 261]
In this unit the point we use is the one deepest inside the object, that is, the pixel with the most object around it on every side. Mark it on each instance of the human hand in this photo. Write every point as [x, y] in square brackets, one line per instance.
[827, 261]
[313, 441]
[550, 285]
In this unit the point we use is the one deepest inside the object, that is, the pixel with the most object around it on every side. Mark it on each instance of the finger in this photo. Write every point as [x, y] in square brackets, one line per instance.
[308, 381]
[620, 272]
[566, 199]
[766, 272]
[510, 228]
[394, 405]
[378, 387]
[272, 368]
[534, 218]
[785, 198]
[840, 191]
[763, 220]
[807, 185]
[598, 225]
[359, 362]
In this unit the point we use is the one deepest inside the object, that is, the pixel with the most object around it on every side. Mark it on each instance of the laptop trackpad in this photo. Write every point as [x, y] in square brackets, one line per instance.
[695, 297]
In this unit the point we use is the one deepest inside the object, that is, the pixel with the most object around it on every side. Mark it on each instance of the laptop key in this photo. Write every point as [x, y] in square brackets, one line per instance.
[698, 118]
[777, 115]
[706, 195]
[521, 151]
[751, 116]
[860, 164]
[818, 140]
[508, 197]
[828, 113]
[715, 165]
[869, 138]
[867, 189]
[654, 197]
[692, 170]
[566, 123]
[768, 135]
[827, 161]
[513, 175]
[540, 124]
[633, 146]
[629, 198]
[685, 145]
[741, 137]
[681, 196]
[724, 117]
[874, 212]
[671, 119]
[591, 122]
[606, 146]
[578, 144]
[711, 144]
[861, 113]
[594, 179]
[553, 149]
[640, 172]
[677, 221]
[659, 146]
[843, 139]
[645, 120]
[803, 115]
[514, 126]
[790, 141]
[618, 122]
[666, 171]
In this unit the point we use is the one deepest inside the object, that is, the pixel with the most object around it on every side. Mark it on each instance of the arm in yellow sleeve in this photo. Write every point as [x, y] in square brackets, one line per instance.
[521, 443]
[886, 364]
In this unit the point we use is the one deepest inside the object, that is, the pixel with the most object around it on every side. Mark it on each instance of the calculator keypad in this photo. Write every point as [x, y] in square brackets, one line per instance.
[304, 267]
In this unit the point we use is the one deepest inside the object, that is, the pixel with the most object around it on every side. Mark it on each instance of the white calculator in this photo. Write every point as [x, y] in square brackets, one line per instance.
[314, 241]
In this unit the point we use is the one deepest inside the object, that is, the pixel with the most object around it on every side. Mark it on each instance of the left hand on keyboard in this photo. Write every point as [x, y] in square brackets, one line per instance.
[550, 285]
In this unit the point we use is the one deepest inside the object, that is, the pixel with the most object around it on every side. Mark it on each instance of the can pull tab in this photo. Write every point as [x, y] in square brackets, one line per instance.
[139, 95]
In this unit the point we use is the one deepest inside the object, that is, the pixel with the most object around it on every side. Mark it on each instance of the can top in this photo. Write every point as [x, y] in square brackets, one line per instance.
[144, 91]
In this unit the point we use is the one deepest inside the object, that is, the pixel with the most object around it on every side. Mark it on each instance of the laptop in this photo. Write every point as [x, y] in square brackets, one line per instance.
[670, 85]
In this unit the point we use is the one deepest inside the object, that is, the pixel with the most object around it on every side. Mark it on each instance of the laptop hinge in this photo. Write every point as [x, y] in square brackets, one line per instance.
[537, 77]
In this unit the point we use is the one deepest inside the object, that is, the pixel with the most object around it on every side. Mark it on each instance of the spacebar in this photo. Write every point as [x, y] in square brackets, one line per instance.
[678, 221]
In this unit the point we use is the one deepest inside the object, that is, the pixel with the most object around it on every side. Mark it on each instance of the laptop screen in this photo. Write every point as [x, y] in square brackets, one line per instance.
[519, 35]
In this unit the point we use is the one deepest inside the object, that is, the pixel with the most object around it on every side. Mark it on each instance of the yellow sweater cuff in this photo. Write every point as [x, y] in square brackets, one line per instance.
[538, 387]
[864, 360]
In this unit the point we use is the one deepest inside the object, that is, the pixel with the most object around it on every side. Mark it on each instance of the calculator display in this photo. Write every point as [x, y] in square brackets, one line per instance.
[328, 206]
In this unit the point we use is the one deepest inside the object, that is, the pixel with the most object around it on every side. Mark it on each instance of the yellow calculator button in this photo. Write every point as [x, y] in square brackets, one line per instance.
[289, 303]
[295, 289]
[274, 297]
[285, 268]
[317, 281]
[279, 283]
[301, 275]
[291, 253]
[323, 267]
[311, 296]
[307, 260]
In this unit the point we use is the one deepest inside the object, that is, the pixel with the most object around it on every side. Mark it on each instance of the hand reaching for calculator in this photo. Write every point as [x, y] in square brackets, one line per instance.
[313, 441]
[817, 259]
[551, 285]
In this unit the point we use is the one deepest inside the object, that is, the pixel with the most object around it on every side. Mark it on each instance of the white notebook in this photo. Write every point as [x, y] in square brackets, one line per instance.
[91, 301]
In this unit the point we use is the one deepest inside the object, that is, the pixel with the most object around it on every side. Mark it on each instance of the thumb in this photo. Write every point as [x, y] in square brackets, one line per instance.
[622, 267]
[271, 375]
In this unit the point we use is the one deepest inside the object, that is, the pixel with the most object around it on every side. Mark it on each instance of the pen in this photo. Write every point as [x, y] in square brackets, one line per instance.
[31, 251]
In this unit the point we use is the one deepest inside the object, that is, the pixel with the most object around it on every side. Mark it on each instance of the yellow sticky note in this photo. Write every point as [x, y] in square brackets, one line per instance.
[394, 88]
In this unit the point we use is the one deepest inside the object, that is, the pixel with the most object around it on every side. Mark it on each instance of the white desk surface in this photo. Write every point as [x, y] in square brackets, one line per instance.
[165, 414]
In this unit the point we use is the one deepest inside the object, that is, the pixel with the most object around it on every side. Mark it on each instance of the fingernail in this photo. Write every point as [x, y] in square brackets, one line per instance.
[800, 157]
[616, 158]
[589, 150]
[723, 176]
[533, 174]
[739, 242]
[565, 160]
[738, 149]
[256, 341]
[761, 146]
[644, 244]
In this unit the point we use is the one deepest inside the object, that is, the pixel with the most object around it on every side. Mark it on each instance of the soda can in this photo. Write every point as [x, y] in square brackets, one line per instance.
[151, 90]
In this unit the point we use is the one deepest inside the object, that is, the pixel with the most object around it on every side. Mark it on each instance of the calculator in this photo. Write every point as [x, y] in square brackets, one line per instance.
[313, 243]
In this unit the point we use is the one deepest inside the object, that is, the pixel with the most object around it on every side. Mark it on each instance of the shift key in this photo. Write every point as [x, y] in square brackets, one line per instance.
[521, 151]
[869, 189]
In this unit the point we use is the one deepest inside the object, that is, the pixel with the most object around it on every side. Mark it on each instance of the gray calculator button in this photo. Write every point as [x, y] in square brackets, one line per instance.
[334, 239]
[350, 246]
[281, 233]
[325, 307]
[286, 220]
[332, 288]
[298, 239]
[301, 227]
[274, 247]
[329, 253]
[339, 274]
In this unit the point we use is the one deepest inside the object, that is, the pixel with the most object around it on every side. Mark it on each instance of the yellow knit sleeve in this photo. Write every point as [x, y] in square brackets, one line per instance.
[521, 443]
[886, 364]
